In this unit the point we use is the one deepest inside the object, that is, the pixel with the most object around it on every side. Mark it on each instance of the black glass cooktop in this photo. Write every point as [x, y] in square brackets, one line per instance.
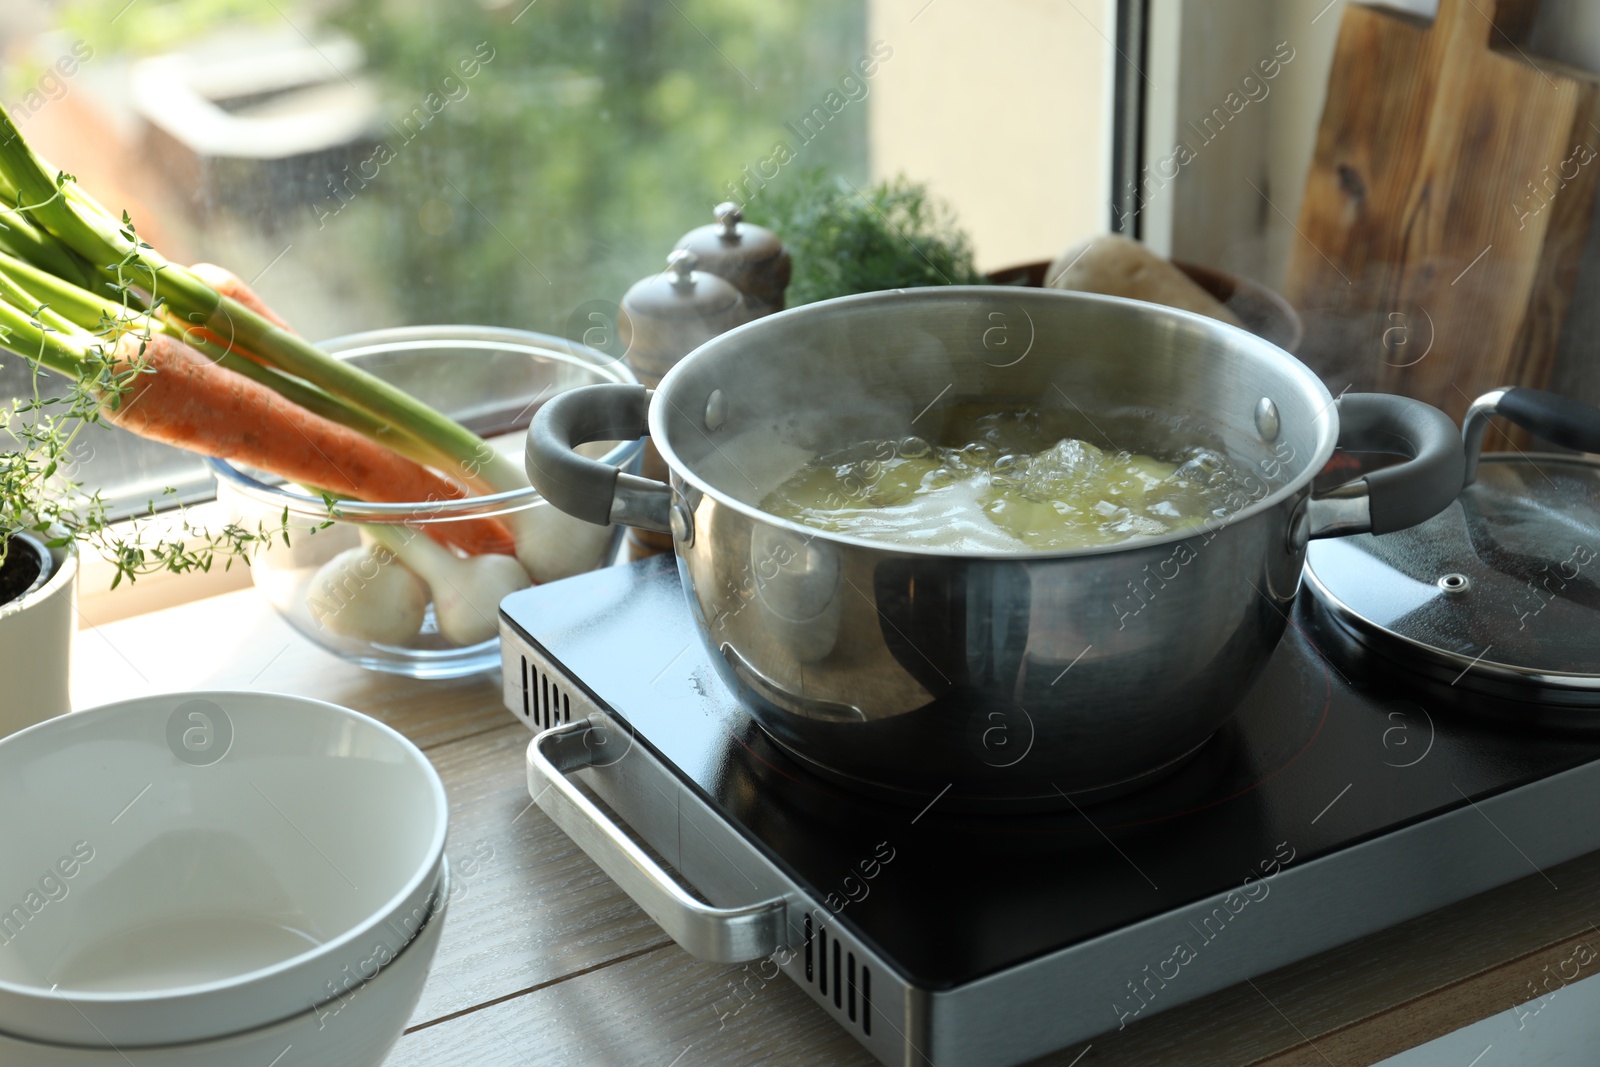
[1322, 754]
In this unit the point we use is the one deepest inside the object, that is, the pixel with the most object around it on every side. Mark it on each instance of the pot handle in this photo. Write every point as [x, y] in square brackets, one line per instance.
[586, 488]
[721, 935]
[1395, 497]
[1558, 419]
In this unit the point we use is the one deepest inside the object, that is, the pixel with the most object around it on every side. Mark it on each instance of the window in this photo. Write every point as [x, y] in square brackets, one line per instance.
[370, 163]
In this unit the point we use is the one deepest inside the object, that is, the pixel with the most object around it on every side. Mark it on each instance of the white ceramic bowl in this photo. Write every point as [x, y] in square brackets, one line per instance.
[183, 867]
[356, 1028]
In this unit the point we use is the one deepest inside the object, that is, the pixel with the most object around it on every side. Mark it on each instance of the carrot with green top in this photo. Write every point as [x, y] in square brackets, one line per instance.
[63, 232]
[158, 387]
[180, 398]
[228, 284]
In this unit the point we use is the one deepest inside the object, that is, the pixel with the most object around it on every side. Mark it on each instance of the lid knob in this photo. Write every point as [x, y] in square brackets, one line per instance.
[681, 263]
[730, 216]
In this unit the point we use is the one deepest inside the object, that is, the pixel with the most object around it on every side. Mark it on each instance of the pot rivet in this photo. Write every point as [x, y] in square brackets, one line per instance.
[1454, 584]
[681, 519]
[1267, 424]
[716, 410]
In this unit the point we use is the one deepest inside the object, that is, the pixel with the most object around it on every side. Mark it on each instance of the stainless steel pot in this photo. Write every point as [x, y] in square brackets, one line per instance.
[1000, 677]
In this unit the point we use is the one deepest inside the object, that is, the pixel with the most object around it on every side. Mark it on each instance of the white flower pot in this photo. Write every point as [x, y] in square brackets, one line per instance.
[36, 648]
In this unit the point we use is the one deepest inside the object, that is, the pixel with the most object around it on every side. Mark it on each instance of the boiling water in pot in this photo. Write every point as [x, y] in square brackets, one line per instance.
[1007, 482]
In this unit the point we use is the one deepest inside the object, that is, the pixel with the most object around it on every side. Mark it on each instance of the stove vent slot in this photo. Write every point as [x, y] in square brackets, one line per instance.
[866, 999]
[850, 997]
[838, 986]
[822, 961]
[838, 978]
[526, 710]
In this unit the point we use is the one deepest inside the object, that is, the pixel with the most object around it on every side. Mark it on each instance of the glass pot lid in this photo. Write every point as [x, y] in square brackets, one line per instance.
[1501, 587]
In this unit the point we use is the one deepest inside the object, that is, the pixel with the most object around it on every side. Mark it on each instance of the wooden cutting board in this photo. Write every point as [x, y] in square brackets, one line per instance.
[1447, 206]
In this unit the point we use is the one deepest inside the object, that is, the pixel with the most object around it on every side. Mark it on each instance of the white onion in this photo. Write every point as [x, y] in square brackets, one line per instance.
[364, 593]
[466, 591]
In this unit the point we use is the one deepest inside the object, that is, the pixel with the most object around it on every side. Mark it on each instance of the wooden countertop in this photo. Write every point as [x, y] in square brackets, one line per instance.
[544, 960]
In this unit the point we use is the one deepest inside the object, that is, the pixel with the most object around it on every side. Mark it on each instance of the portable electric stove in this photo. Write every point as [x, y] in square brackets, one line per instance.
[1331, 807]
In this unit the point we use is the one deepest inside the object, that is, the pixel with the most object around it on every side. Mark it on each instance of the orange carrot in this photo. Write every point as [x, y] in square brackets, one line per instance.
[186, 400]
[227, 283]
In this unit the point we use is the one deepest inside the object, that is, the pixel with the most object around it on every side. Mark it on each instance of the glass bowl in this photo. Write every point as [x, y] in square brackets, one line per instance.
[489, 379]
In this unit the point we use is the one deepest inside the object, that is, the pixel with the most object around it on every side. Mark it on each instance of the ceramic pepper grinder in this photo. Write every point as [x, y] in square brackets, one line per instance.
[664, 318]
[750, 257]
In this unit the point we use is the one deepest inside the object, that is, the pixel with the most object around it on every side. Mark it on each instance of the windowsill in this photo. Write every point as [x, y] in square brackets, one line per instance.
[99, 604]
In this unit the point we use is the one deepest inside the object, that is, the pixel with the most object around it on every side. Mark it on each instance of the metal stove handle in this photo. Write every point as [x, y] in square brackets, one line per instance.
[719, 935]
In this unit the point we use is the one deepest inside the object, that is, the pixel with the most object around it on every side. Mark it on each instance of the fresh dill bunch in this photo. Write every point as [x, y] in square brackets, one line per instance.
[847, 239]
